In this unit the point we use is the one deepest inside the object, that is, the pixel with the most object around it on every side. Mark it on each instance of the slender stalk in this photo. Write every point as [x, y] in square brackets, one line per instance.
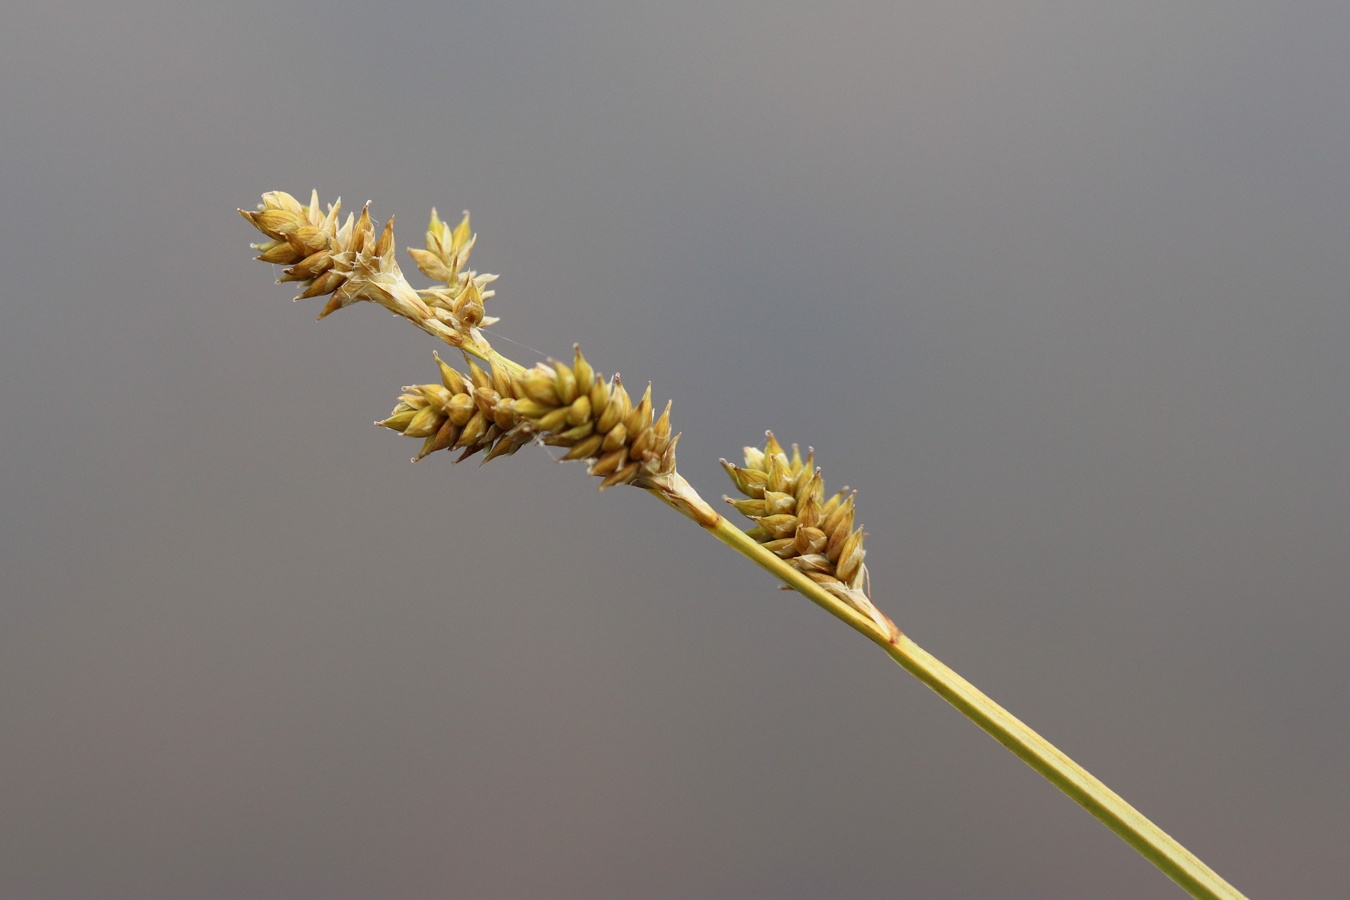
[1154, 844]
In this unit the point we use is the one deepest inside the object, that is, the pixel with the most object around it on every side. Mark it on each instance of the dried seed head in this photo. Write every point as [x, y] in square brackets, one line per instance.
[499, 409]
[795, 521]
[300, 236]
[352, 263]
[573, 407]
[447, 249]
[469, 414]
[461, 302]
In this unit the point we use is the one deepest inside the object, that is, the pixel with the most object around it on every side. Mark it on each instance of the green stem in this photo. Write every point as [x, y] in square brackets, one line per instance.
[1155, 845]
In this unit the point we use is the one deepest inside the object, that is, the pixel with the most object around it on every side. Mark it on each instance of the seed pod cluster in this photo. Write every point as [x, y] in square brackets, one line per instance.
[573, 407]
[444, 259]
[447, 249]
[317, 252]
[298, 234]
[794, 520]
[350, 262]
[468, 413]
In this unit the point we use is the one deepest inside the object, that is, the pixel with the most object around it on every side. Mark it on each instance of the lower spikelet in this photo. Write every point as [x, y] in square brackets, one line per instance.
[796, 522]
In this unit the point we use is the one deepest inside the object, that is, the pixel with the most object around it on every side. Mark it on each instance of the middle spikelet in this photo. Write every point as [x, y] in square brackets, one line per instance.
[596, 420]
[560, 405]
[468, 413]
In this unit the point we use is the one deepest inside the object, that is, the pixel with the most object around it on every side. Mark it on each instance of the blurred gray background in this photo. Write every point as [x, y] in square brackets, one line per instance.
[1061, 288]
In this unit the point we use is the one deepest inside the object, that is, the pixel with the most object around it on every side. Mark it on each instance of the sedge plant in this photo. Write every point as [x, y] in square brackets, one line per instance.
[494, 406]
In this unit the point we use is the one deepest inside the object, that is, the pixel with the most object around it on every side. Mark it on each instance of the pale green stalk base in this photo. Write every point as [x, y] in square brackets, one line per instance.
[1106, 805]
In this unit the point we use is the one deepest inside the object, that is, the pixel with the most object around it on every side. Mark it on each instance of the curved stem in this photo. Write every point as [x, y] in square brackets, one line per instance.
[1104, 804]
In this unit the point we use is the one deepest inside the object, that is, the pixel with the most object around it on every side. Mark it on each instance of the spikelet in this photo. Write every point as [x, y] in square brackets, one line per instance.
[573, 407]
[447, 249]
[796, 522]
[444, 259]
[467, 413]
[347, 261]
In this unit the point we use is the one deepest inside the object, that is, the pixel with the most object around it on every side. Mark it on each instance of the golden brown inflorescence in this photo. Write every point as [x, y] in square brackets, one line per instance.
[470, 414]
[496, 410]
[797, 523]
[444, 260]
[573, 407]
[560, 405]
[348, 261]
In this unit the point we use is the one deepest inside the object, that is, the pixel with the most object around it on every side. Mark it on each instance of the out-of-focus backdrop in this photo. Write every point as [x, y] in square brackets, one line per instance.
[1062, 289]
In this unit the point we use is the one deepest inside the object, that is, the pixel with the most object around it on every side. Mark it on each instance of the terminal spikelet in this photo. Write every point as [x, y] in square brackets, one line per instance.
[796, 522]
[352, 263]
[597, 421]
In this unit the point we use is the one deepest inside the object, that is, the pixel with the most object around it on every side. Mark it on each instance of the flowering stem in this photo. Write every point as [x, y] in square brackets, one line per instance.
[800, 536]
[1155, 845]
